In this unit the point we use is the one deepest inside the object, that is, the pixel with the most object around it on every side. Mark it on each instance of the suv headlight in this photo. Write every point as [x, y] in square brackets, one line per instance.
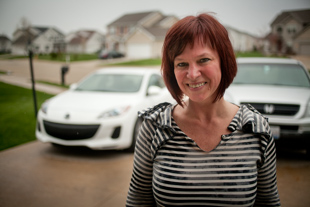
[307, 114]
[114, 112]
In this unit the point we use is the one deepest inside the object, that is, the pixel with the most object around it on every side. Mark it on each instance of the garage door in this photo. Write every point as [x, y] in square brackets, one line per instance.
[304, 49]
[139, 51]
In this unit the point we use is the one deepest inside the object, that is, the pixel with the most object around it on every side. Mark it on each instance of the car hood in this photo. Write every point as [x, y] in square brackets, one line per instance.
[267, 94]
[87, 105]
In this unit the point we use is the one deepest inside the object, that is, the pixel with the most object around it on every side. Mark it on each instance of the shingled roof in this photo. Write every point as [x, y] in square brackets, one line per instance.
[302, 16]
[130, 18]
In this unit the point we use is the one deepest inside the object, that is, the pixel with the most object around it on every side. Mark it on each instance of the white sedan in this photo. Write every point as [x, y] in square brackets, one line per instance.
[279, 89]
[101, 111]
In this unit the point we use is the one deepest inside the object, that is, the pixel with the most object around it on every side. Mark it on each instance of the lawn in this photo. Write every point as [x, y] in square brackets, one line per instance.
[17, 117]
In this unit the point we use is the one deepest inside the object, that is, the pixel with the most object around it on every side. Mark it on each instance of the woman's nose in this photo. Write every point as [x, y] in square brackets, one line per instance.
[193, 72]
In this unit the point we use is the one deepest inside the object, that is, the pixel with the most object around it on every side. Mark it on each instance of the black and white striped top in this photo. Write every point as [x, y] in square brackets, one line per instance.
[171, 170]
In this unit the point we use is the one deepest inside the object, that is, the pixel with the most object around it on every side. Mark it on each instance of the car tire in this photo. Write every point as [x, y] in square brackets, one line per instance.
[136, 130]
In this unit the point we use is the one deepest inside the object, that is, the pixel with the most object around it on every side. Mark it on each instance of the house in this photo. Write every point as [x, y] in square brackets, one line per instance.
[139, 35]
[242, 41]
[290, 32]
[43, 40]
[5, 44]
[85, 41]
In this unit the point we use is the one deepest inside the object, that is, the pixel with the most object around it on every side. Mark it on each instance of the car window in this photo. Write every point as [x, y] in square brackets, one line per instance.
[156, 80]
[272, 74]
[111, 83]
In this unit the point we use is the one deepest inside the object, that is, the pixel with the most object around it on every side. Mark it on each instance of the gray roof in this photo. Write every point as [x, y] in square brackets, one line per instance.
[302, 16]
[157, 32]
[129, 19]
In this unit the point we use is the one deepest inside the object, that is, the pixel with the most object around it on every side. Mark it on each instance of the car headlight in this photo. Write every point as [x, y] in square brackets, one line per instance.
[45, 106]
[114, 112]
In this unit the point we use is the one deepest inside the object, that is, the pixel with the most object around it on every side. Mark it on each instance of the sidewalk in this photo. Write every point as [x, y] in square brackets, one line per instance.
[18, 73]
[26, 83]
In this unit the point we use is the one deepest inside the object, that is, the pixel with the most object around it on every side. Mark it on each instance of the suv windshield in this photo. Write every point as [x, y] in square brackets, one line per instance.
[271, 74]
[111, 83]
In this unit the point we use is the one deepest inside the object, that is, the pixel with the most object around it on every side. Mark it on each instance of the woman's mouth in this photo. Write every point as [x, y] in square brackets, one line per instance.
[196, 85]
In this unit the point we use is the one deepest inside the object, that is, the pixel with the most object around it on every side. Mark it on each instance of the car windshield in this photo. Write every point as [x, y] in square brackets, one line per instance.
[111, 83]
[272, 74]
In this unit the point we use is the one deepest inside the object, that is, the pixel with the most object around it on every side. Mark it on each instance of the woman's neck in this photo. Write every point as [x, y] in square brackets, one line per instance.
[207, 112]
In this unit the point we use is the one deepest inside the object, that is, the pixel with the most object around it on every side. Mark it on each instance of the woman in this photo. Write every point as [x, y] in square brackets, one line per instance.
[203, 151]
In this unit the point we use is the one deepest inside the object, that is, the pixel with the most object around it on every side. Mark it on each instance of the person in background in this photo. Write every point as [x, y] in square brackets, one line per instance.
[203, 150]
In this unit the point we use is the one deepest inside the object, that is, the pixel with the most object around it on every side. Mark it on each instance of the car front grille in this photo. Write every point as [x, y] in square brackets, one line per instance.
[70, 131]
[276, 109]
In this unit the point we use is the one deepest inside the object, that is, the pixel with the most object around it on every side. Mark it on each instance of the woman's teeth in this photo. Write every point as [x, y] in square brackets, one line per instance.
[196, 85]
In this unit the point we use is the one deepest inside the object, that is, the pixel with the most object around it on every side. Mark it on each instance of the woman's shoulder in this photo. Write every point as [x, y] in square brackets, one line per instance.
[159, 114]
[248, 119]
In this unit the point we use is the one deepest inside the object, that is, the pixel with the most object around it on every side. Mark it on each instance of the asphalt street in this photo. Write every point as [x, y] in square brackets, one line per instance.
[38, 175]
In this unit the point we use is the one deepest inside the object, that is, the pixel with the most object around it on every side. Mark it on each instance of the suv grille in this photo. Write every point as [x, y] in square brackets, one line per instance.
[276, 109]
[70, 131]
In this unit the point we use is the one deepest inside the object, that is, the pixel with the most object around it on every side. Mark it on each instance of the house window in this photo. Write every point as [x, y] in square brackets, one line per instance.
[291, 29]
[279, 30]
[112, 30]
[122, 30]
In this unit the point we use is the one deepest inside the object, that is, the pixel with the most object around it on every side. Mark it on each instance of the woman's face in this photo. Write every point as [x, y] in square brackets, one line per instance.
[198, 73]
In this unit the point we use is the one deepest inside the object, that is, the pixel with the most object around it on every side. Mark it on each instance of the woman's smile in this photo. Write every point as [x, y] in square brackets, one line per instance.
[196, 85]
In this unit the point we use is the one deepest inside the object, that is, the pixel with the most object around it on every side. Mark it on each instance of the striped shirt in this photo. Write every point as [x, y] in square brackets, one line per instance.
[171, 170]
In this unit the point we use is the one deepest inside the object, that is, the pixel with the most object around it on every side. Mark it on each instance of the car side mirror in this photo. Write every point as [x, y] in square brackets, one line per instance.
[73, 86]
[153, 90]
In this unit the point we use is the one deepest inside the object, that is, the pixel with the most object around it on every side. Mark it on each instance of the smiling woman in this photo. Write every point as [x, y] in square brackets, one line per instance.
[204, 150]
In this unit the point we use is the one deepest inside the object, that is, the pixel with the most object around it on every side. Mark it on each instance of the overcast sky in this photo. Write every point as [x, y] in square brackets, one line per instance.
[252, 16]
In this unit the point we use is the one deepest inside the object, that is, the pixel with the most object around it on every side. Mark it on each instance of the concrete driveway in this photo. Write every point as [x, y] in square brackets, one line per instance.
[40, 175]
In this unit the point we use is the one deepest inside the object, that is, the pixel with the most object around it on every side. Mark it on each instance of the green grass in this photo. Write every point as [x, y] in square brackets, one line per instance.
[249, 54]
[17, 117]
[53, 84]
[62, 57]
[144, 62]
[58, 57]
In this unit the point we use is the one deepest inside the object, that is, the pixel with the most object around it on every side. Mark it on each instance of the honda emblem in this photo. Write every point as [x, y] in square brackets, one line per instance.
[269, 108]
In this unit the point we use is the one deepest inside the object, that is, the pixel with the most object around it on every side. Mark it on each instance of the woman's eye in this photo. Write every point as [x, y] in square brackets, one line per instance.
[203, 60]
[181, 64]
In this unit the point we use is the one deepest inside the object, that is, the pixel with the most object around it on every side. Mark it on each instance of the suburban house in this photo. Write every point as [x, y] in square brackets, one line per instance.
[290, 32]
[139, 35]
[85, 41]
[43, 40]
[5, 44]
[242, 41]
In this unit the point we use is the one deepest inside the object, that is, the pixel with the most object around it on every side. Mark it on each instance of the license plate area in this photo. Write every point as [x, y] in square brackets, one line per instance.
[275, 131]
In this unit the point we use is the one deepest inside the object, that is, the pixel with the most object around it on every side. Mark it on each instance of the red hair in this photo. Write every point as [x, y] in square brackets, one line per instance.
[207, 30]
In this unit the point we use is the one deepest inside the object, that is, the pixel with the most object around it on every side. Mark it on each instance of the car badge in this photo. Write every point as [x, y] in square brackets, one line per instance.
[67, 116]
[269, 108]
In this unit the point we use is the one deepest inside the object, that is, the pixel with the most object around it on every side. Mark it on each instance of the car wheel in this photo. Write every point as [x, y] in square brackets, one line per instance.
[136, 130]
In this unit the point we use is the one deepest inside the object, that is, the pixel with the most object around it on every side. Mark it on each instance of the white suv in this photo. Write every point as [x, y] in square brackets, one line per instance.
[280, 90]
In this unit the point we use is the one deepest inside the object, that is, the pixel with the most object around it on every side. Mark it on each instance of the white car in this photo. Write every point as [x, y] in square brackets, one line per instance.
[101, 111]
[279, 89]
